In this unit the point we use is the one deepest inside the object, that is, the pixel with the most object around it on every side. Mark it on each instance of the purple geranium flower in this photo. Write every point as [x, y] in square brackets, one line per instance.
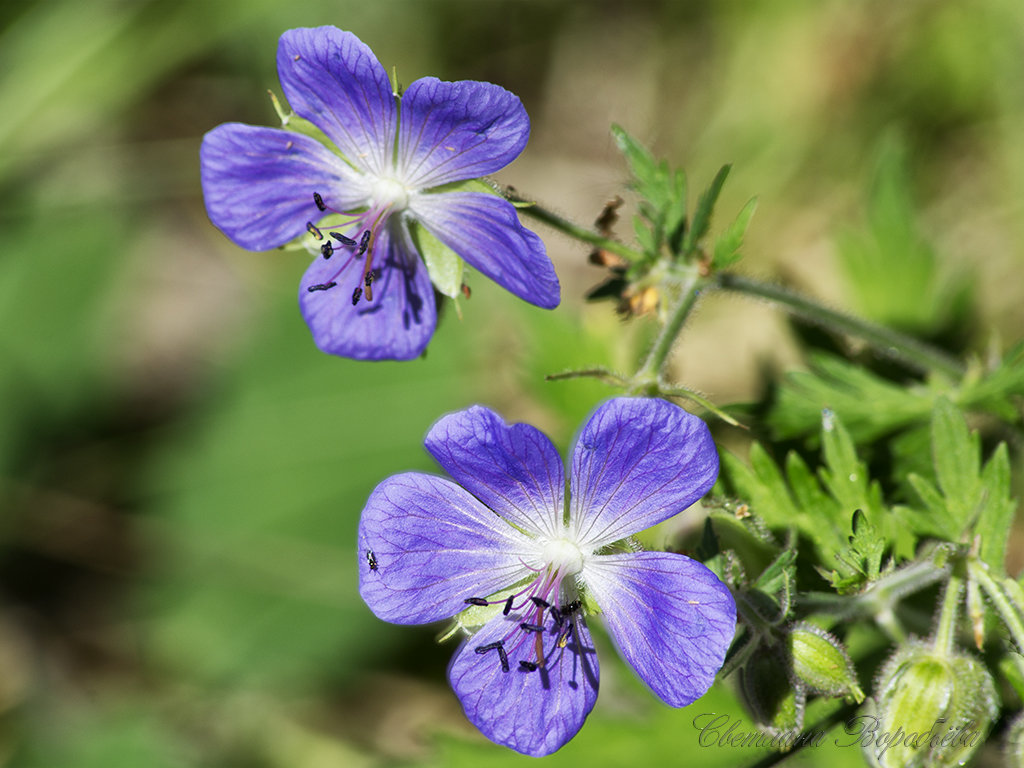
[390, 197]
[531, 567]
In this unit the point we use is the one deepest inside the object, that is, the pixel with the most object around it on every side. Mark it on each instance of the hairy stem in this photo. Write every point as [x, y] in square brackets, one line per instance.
[653, 366]
[571, 229]
[1004, 607]
[908, 350]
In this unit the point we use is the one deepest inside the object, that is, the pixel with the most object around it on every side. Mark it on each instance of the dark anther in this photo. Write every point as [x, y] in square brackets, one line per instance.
[312, 229]
[371, 560]
[476, 601]
[504, 659]
[488, 647]
[540, 602]
[529, 666]
[508, 605]
[355, 295]
[527, 627]
[327, 249]
[342, 239]
[319, 201]
[369, 278]
[364, 243]
[556, 615]
[320, 287]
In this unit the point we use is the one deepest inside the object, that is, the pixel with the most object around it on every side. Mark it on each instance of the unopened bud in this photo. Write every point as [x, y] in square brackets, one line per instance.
[821, 663]
[771, 698]
[934, 707]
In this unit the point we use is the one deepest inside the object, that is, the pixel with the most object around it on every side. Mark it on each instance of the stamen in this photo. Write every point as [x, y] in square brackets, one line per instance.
[482, 649]
[557, 616]
[527, 627]
[356, 294]
[319, 202]
[529, 666]
[504, 659]
[364, 243]
[320, 287]
[312, 229]
[368, 280]
[540, 602]
[508, 605]
[342, 239]
[476, 601]
[327, 249]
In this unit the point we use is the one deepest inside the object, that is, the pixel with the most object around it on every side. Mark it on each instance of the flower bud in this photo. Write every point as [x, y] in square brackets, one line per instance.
[771, 698]
[934, 709]
[820, 662]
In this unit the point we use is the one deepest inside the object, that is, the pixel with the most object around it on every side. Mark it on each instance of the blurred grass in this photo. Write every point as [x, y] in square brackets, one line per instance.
[181, 472]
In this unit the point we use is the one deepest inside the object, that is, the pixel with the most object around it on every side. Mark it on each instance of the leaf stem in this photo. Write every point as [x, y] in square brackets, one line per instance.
[908, 350]
[945, 629]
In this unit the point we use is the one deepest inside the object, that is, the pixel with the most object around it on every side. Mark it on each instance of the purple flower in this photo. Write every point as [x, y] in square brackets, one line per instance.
[531, 567]
[392, 195]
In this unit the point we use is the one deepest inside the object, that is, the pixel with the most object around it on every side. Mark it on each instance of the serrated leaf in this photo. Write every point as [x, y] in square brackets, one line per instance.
[955, 452]
[727, 247]
[640, 161]
[995, 517]
[702, 214]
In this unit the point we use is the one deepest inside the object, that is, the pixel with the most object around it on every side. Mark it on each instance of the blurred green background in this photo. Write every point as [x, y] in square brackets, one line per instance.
[181, 472]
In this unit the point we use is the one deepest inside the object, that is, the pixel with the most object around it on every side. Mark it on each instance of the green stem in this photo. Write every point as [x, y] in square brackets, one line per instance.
[911, 352]
[1007, 612]
[945, 630]
[652, 367]
[552, 219]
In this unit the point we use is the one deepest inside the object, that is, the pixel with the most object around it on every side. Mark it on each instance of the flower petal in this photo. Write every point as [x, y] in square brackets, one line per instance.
[513, 469]
[456, 131]
[670, 616]
[485, 231]
[332, 79]
[425, 545]
[537, 712]
[395, 325]
[636, 462]
[259, 183]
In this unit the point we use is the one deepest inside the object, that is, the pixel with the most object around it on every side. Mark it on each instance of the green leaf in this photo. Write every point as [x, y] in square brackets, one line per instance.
[956, 453]
[702, 215]
[727, 247]
[995, 518]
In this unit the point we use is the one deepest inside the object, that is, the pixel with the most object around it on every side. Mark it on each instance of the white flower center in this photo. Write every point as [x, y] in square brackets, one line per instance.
[389, 193]
[562, 555]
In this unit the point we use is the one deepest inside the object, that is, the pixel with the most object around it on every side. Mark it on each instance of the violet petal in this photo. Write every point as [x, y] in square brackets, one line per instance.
[513, 469]
[425, 545]
[671, 618]
[636, 462]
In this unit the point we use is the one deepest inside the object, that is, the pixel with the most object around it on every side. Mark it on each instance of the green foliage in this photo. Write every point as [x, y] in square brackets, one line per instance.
[727, 246]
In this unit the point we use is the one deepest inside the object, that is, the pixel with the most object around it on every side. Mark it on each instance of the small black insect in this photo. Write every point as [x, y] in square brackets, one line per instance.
[371, 560]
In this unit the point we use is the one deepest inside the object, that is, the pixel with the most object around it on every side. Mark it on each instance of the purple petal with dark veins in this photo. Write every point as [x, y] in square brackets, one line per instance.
[456, 131]
[536, 712]
[513, 469]
[671, 618]
[433, 546]
[258, 183]
[485, 231]
[332, 79]
[636, 462]
[396, 325]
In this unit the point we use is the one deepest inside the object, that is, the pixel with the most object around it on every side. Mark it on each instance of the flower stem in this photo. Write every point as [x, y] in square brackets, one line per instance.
[689, 292]
[908, 350]
[945, 630]
[567, 227]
